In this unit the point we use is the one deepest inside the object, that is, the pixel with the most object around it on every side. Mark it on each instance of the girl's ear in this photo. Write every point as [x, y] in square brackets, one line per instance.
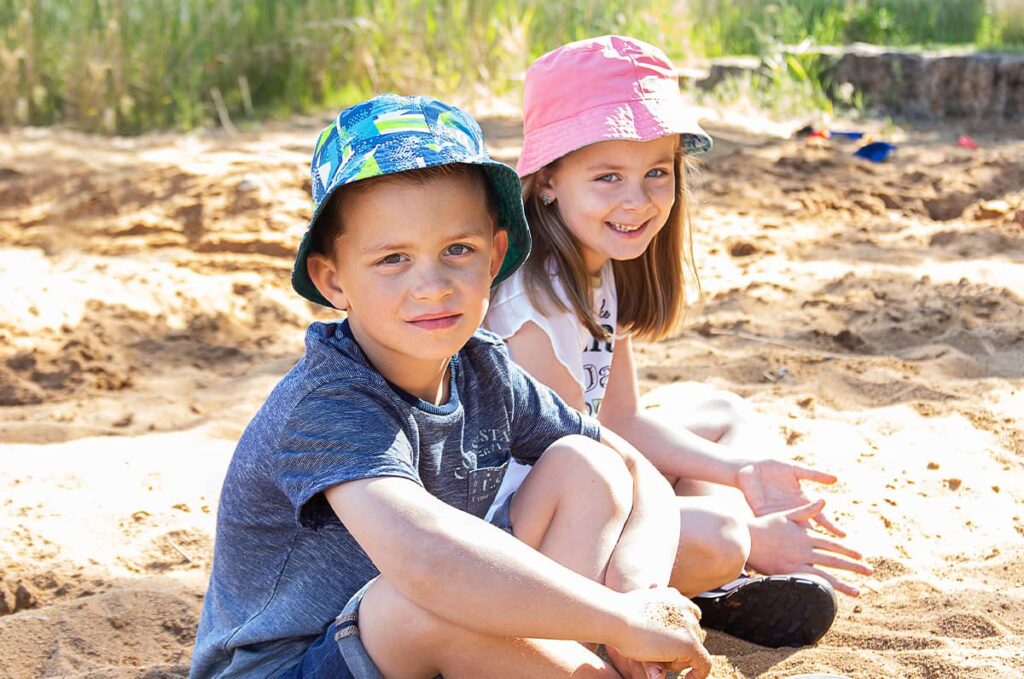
[544, 187]
[324, 274]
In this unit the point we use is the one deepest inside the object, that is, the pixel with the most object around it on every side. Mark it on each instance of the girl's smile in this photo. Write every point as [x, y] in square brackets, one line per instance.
[629, 231]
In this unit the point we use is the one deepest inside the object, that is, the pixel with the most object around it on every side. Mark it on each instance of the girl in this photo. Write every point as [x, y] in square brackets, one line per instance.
[604, 141]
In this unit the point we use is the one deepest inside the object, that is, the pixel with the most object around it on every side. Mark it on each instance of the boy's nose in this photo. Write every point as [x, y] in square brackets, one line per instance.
[432, 283]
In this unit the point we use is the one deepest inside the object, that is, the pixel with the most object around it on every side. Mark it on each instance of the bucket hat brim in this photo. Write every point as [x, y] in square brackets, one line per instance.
[392, 134]
[508, 189]
[637, 120]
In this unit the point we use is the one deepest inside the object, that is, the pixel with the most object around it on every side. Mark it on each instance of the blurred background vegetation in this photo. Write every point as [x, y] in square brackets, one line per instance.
[128, 66]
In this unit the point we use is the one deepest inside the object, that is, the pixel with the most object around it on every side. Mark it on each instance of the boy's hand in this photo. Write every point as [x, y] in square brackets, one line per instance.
[784, 544]
[631, 669]
[773, 486]
[663, 629]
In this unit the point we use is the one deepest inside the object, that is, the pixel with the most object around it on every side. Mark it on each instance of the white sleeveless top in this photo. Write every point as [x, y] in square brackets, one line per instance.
[587, 360]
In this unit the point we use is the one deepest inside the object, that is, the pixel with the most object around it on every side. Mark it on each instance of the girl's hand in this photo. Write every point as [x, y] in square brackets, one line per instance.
[782, 543]
[774, 486]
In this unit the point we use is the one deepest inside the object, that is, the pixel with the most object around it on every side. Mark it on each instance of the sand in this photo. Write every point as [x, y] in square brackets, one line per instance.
[872, 313]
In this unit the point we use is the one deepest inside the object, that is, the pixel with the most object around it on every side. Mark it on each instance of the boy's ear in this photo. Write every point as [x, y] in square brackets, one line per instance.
[324, 274]
[498, 251]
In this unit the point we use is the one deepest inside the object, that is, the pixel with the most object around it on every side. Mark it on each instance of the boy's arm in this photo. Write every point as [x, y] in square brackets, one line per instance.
[469, 572]
[463, 569]
[647, 548]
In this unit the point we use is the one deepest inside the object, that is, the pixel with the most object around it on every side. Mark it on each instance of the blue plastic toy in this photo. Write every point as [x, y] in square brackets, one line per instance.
[876, 152]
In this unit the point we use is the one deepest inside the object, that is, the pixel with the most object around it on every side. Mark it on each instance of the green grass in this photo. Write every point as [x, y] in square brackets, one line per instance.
[128, 66]
[786, 85]
[132, 65]
[724, 27]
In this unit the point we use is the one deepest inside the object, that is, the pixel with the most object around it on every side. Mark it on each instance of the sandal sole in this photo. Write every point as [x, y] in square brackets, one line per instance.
[774, 611]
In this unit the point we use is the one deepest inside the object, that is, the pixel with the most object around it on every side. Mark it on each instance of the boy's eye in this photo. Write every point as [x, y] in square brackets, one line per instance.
[390, 259]
[458, 249]
[657, 172]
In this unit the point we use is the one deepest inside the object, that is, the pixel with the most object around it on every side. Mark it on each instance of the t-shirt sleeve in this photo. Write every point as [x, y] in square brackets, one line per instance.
[335, 435]
[540, 416]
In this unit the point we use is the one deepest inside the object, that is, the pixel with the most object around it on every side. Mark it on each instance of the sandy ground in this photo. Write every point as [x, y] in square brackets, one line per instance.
[872, 313]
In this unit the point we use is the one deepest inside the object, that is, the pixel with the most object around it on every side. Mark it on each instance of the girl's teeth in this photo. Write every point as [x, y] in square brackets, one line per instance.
[623, 229]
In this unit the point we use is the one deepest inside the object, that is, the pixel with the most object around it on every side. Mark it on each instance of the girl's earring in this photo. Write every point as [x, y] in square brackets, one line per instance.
[546, 199]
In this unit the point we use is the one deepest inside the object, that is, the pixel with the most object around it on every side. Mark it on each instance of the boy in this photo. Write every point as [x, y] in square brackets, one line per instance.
[360, 485]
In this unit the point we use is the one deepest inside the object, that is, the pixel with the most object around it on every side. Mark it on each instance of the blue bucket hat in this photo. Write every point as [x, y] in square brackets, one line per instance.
[390, 134]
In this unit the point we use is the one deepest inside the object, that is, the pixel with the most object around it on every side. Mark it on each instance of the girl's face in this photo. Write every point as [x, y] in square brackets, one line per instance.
[614, 195]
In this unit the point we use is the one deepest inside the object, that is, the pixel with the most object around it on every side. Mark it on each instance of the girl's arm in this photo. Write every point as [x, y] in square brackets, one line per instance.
[532, 350]
[675, 451]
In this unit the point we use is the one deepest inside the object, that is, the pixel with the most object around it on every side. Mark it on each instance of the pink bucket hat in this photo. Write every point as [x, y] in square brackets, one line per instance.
[602, 89]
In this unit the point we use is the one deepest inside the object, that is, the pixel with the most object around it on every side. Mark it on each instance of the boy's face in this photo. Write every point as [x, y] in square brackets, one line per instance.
[413, 269]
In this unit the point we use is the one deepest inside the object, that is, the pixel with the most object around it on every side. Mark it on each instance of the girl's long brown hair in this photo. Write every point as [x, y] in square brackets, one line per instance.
[651, 289]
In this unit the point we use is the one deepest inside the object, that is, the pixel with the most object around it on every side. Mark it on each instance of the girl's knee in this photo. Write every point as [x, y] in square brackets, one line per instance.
[720, 543]
[730, 408]
[733, 537]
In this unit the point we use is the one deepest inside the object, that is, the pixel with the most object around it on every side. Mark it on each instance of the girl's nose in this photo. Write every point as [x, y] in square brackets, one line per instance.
[636, 198]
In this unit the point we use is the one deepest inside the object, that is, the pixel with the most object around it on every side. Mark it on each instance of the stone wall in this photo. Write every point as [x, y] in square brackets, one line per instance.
[977, 85]
[952, 84]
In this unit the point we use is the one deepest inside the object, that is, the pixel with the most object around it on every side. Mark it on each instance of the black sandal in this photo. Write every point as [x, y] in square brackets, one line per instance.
[772, 611]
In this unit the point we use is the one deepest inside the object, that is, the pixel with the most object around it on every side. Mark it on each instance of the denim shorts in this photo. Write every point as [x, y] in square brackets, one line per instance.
[338, 653]
[503, 515]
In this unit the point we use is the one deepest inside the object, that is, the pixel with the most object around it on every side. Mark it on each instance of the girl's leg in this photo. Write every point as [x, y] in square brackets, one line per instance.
[713, 546]
[715, 539]
[717, 536]
[713, 414]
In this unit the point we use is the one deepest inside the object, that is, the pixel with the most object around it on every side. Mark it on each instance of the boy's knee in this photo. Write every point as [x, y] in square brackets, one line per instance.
[593, 470]
[406, 646]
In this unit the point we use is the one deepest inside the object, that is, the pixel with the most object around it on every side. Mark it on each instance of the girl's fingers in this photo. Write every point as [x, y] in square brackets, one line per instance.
[814, 475]
[827, 524]
[654, 672]
[837, 585]
[841, 563]
[806, 512]
[831, 546]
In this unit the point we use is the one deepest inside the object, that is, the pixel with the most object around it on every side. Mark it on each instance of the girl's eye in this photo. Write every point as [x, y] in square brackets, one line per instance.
[610, 177]
[458, 249]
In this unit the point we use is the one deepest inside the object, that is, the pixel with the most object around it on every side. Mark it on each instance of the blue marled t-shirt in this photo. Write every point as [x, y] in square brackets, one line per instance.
[284, 566]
